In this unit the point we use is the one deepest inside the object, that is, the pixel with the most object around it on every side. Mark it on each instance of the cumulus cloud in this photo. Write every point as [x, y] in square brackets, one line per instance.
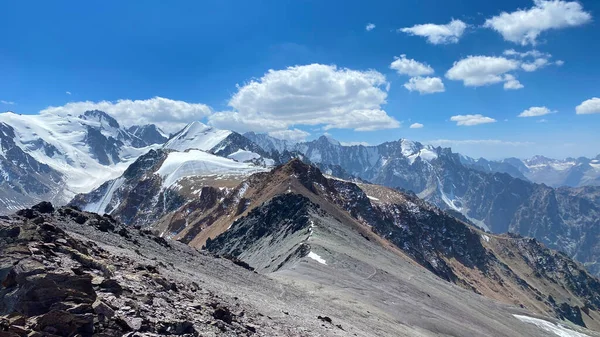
[476, 71]
[370, 27]
[539, 59]
[68, 92]
[470, 120]
[438, 34]
[7, 102]
[535, 65]
[425, 85]
[536, 111]
[294, 135]
[532, 53]
[410, 67]
[314, 94]
[170, 115]
[511, 83]
[590, 106]
[525, 25]
[416, 126]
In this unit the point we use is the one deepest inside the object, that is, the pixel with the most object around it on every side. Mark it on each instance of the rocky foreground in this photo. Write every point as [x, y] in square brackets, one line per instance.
[60, 284]
[64, 272]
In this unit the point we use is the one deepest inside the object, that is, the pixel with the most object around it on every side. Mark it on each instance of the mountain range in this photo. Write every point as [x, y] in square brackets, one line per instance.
[299, 254]
[406, 230]
[570, 172]
[91, 153]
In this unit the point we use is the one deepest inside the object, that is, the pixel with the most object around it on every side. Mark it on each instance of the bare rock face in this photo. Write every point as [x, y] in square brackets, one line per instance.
[55, 285]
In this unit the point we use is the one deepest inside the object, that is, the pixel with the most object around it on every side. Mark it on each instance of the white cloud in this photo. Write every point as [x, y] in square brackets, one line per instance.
[591, 106]
[294, 135]
[543, 120]
[470, 120]
[168, 114]
[438, 34]
[539, 59]
[425, 85]
[7, 102]
[370, 27]
[533, 53]
[511, 83]
[410, 67]
[416, 126]
[314, 94]
[355, 143]
[68, 92]
[477, 71]
[535, 65]
[525, 25]
[536, 111]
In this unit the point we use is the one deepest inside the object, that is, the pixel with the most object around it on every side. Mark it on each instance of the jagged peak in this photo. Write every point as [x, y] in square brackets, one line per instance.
[100, 116]
[328, 139]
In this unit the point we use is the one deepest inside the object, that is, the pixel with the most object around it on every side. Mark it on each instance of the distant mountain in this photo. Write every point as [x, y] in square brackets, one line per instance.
[160, 182]
[512, 166]
[149, 133]
[269, 143]
[54, 156]
[564, 218]
[274, 220]
[570, 172]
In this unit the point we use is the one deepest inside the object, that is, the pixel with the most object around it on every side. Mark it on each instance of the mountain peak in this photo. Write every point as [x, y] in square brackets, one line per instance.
[328, 139]
[100, 116]
[197, 135]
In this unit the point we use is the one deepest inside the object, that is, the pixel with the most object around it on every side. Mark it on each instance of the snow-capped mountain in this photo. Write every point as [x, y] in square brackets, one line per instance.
[149, 133]
[63, 155]
[269, 143]
[160, 182]
[572, 172]
[494, 201]
[224, 143]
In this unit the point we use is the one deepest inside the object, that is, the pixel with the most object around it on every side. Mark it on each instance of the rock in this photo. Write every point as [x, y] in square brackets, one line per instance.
[133, 323]
[112, 286]
[325, 319]
[251, 327]
[19, 330]
[10, 232]
[62, 323]
[103, 309]
[43, 207]
[81, 308]
[27, 213]
[176, 328]
[223, 314]
[123, 232]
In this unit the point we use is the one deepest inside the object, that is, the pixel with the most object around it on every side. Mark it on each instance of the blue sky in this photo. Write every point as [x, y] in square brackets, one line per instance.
[208, 60]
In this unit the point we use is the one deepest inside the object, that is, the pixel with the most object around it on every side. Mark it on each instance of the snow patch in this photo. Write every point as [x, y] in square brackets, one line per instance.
[179, 165]
[197, 136]
[556, 329]
[317, 258]
[485, 237]
[372, 198]
[243, 155]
